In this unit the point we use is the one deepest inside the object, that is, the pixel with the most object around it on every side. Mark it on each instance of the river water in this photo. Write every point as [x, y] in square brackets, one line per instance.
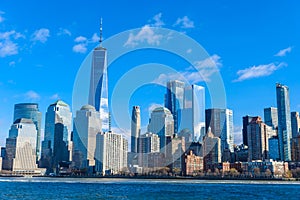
[103, 188]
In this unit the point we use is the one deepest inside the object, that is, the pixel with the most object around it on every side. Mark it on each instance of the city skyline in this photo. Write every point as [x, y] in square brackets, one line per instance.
[33, 53]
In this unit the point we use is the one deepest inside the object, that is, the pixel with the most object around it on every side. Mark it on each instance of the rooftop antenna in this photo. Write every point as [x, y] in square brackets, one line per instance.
[100, 40]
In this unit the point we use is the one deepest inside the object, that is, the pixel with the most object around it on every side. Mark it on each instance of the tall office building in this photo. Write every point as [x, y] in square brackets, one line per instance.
[193, 113]
[98, 94]
[87, 124]
[30, 111]
[271, 117]
[20, 155]
[135, 128]
[295, 123]
[246, 120]
[211, 149]
[258, 140]
[174, 101]
[57, 145]
[284, 121]
[162, 124]
[221, 123]
[111, 153]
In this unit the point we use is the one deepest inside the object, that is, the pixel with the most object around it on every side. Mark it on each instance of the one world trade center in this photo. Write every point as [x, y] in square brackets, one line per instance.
[98, 94]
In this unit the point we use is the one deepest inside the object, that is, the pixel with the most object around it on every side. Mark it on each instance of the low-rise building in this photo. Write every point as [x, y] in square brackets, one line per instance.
[193, 164]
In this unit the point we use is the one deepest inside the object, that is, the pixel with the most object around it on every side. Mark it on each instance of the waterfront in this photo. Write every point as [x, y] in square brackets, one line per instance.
[86, 188]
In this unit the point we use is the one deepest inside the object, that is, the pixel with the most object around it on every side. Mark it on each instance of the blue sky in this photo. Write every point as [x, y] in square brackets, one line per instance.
[253, 43]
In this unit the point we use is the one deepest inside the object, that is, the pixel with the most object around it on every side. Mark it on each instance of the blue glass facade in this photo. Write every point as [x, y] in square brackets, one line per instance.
[98, 94]
[56, 146]
[193, 114]
[220, 121]
[284, 122]
[174, 101]
[30, 111]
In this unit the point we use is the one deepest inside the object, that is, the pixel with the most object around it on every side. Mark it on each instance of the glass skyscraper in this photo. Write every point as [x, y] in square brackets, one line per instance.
[98, 94]
[162, 124]
[295, 123]
[30, 111]
[284, 121]
[20, 153]
[57, 145]
[220, 121]
[87, 124]
[246, 120]
[271, 117]
[174, 101]
[193, 113]
[135, 128]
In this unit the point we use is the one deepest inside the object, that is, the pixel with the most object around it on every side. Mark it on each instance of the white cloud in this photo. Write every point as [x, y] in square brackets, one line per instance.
[80, 48]
[55, 97]
[80, 39]
[157, 20]
[283, 52]
[146, 34]
[64, 31]
[95, 38]
[189, 51]
[8, 46]
[258, 71]
[12, 63]
[41, 35]
[184, 22]
[200, 71]
[32, 95]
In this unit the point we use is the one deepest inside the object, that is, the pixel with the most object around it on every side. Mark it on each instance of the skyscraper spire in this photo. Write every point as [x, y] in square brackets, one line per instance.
[100, 32]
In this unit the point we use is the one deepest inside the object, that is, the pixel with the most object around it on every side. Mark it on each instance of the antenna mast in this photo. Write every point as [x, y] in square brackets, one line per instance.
[100, 40]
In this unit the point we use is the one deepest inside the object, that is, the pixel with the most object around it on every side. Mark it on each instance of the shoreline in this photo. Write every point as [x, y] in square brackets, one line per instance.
[157, 178]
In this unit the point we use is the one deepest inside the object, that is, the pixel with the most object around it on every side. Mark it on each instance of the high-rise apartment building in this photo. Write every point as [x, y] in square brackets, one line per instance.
[162, 124]
[148, 143]
[148, 147]
[284, 121]
[258, 139]
[193, 113]
[111, 153]
[271, 117]
[87, 124]
[20, 155]
[174, 101]
[57, 144]
[295, 124]
[220, 121]
[98, 94]
[30, 111]
[135, 128]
